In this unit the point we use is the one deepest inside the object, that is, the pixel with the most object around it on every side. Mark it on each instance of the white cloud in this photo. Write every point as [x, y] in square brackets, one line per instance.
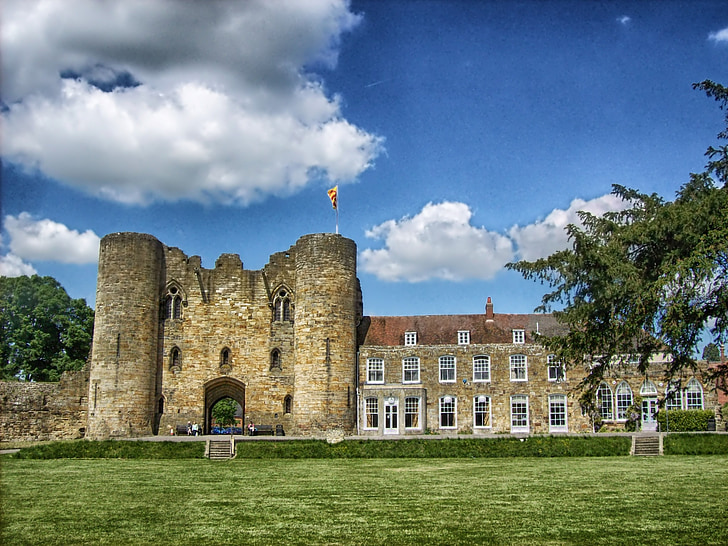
[437, 243]
[720, 36]
[12, 266]
[624, 19]
[225, 108]
[47, 240]
[440, 242]
[544, 237]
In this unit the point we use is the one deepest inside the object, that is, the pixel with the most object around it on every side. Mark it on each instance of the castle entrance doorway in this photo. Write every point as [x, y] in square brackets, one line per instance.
[216, 390]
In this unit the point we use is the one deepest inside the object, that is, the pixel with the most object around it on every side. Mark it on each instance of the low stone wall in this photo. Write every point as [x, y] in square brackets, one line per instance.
[44, 411]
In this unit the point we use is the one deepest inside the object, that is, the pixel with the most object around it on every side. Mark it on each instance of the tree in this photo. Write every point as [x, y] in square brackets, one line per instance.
[224, 412]
[43, 332]
[711, 353]
[649, 279]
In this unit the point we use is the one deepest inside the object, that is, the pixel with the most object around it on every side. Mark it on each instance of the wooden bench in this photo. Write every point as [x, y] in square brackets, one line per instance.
[264, 429]
[180, 430]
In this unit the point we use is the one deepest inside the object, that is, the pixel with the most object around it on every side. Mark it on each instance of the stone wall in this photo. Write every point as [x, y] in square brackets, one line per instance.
[44, 411]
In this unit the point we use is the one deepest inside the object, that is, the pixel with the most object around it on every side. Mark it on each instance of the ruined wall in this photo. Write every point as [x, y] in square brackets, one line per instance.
[44, 411]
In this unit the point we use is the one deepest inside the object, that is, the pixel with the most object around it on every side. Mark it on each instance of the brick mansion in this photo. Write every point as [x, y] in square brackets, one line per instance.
[291, 345]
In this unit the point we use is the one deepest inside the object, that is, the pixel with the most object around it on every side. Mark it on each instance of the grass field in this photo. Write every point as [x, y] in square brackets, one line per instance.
[611, 500]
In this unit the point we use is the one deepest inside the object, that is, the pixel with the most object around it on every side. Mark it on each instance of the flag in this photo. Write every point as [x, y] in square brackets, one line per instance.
[334, 196]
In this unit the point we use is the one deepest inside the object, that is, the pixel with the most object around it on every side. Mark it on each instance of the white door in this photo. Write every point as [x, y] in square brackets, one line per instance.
[649, 409]
[391, 416]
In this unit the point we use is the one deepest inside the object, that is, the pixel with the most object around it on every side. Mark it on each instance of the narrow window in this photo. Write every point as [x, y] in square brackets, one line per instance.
[556, 370]
[412, 412]
[410, 338]
[519, 370]
[287, 404]
[375, 370]
[282, 307]
[481, 368]
[225, 358]
[447, 369]
[693, 395]
[275, 359]
[177, 308]
[448, 412]
[371, 413]
[605, 405]
[519, 336]
[464, 337]
[624, 400]
[175, 359]
[519, 413]
[557, 413]
[481, 411]
[411, 370]
[673, 396]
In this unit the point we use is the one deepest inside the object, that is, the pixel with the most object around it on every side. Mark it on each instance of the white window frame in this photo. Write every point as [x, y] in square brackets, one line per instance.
[517, 426]
[447, 365]
[556, 369]
[408, 410]
[563, 411]
[410, 339]
[625, 398]
[518, 367]
[482, 405]
[454, 403]
[519, 337]
[463, 337]
[484, 368]
[410, 366]
[673, 397]
[371, 407]
[601, 399]
[375, 367]
[693, 389]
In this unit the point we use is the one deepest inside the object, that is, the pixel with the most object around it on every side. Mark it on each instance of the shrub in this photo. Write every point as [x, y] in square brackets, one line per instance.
[696, 444]
[684, 420]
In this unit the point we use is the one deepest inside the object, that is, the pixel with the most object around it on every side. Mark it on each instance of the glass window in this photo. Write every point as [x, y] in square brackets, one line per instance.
[448, 412]
[412, 412]
[519, 336]
[557, 413]
[447, 369]
[519, 370]
[648, 388]
[556, 369]
[519, 413]
[464, 337]
[481, 411]
[624, 400]
[175, 359]
[481, 368]
[287, 404]
[411, 370]
[282, 307]
[375, 370]
[275, 359]
[410, 338]
[604, 401]
[673, 396]
[693, 395]
[372, 413]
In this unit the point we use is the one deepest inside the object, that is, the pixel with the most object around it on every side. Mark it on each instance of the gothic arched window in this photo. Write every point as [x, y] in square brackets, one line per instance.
[287, 404]
[175, 359]
[173, 303]
[275, 359]
[282, 306]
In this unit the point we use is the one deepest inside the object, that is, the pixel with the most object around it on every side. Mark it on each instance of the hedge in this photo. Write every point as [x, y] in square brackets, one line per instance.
[685, 420]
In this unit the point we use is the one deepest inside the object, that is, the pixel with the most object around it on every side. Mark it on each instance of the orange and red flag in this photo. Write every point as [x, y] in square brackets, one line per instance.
[334, 196]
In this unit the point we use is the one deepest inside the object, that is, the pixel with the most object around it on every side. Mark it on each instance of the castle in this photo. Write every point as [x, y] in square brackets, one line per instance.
[290, 344]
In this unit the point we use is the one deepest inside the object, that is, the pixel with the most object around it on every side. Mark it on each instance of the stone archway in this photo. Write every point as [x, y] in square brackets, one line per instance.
[216, 390]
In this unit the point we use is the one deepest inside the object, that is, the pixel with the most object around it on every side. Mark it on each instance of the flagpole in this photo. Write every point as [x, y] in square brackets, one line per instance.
[337, 214]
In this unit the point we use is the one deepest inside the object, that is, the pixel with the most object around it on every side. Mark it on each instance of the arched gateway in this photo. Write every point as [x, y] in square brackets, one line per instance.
[216, 390]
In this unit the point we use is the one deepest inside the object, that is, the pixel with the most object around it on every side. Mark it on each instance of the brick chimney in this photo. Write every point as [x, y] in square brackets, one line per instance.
[489, 316]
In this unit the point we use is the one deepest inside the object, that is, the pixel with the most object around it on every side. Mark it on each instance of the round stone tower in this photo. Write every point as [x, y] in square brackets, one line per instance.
[125, 353]
[326, 313]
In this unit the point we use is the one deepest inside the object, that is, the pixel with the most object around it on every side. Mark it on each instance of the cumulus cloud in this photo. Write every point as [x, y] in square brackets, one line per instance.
[12, 266]
[216, 101]
[720, 36]
[441, 243]
[544, 237]
[437, 243]
[46, 240]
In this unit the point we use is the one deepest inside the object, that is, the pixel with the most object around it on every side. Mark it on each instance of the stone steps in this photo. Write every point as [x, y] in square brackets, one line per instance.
[646, 446]
[219, 449]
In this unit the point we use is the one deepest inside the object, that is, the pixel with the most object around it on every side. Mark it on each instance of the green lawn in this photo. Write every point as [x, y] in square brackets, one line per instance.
[612, 500]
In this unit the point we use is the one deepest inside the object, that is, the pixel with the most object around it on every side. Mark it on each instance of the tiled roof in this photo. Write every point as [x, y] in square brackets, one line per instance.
[443, 329]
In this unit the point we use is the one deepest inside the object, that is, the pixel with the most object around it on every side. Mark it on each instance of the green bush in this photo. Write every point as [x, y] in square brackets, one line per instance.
[684, 420]
[113, 449]
[696, 444]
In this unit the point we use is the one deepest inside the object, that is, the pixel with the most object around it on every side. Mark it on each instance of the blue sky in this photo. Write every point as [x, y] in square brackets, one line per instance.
[462, 134]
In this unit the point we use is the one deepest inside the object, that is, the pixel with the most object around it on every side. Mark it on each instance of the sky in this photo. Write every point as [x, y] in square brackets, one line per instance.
[462, 135]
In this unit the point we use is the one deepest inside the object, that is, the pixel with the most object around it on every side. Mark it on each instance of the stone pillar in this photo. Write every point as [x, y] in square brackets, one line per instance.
[124, 358]
[326, 312]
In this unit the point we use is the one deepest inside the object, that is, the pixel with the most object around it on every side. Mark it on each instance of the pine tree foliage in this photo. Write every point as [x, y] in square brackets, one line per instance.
[43, 332]
[646, 280]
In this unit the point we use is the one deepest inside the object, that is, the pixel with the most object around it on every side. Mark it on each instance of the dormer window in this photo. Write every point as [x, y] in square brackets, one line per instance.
[464, 337]
[410, 338]
[519, 337]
